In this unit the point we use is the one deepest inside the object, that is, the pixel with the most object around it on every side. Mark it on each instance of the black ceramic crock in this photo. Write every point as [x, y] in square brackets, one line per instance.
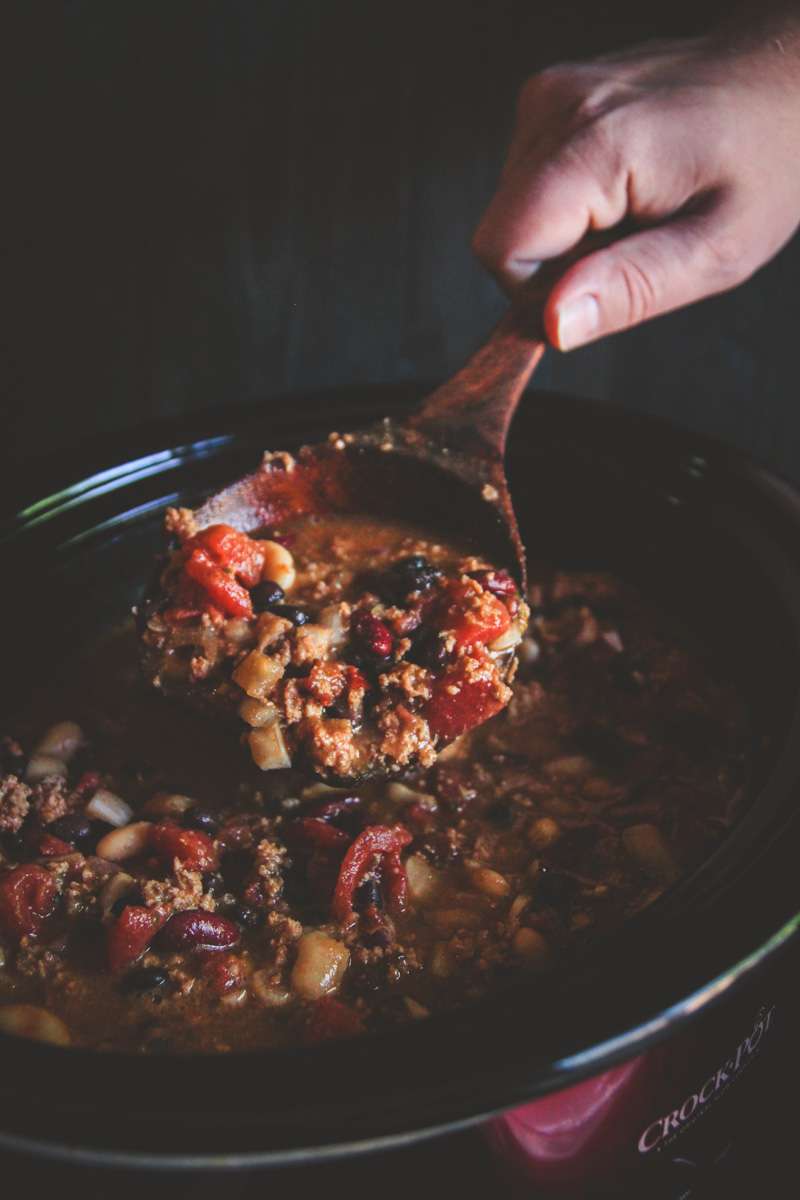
[713, 537]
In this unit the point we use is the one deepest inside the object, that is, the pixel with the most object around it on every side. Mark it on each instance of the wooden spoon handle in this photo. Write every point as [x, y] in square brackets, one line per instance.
[472, 411]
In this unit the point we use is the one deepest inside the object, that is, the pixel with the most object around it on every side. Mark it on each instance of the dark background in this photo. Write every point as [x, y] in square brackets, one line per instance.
[218, 203]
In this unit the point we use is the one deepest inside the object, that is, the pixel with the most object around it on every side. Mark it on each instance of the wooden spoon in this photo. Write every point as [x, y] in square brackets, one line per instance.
[441, 466]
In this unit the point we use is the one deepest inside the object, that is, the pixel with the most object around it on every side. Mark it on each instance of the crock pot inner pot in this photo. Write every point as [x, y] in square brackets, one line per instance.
[709, 538]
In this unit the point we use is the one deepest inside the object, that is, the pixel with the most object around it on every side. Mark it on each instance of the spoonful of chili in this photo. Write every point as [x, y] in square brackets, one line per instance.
[329, 600]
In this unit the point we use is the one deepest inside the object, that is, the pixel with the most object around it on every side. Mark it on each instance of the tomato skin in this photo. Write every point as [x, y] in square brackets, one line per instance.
[130, 935]
[450, 715]
[221, 588]
[233, 549]
[471, 625]
[28, 896]
[191, 847]
[385, 842]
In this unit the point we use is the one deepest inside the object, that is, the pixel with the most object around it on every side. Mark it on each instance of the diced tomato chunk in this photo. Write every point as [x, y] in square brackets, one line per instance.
[474, 700]
[222, 589]
[130, 935]
[474, 616]
[233, 549]
[28, 897]
[191, 847]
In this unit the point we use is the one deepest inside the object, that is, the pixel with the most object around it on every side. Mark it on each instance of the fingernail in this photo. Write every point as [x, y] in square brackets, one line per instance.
[578, 322]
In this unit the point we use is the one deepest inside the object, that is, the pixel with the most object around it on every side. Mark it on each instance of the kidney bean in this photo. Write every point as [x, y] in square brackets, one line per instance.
[130, 935]
[196, 929]
[499, 583]
[191, 847]
[372, 634]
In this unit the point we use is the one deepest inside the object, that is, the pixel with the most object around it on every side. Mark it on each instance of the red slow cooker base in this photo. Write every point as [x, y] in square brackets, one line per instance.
[672, 1120]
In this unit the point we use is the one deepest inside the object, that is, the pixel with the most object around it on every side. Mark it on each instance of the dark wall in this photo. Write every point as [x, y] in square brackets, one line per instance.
[223, 201]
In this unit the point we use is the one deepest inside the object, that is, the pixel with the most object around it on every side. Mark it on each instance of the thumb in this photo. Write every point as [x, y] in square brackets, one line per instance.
[640, 277]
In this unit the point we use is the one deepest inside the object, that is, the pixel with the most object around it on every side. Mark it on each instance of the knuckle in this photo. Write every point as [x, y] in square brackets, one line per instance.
[490, 250]
[639, 289]
[561, 79]
[727, 260]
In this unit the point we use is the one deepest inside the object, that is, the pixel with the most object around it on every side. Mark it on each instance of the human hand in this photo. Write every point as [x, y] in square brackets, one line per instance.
[696, 142]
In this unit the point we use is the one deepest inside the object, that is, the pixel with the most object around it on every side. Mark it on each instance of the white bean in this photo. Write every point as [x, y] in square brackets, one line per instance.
[269, 993]
[530, 945]
[647, 845]
[278, 565]
[415, 1009]
[168, 804]
[490, 882]
[400, 793]
[423, 879]
[125, 843]
[61, 740]
[118, 885]
[31, 1021]
[450, 920]
[543, 832]
[321, 963]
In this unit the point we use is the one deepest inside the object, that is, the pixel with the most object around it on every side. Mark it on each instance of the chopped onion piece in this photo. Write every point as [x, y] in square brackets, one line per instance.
[105, 806]
[43, 765]
[402, 794]
[268, 747]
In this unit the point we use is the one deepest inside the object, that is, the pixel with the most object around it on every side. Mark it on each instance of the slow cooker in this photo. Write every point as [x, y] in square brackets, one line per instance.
[641, 1060]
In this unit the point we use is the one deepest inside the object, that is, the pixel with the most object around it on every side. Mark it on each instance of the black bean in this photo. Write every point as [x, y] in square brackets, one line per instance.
[428, 650]
[368, 894]
[266, 595]
[74, 828]
[202, 819]
[414, 562]
[298, 616]
[214, 884]
[499, 814]
[134, 896]
[247, 916]
[604, 745]
[99, 829]
[625, 676]
[145, 979]
[412, 574]
[553, 888]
